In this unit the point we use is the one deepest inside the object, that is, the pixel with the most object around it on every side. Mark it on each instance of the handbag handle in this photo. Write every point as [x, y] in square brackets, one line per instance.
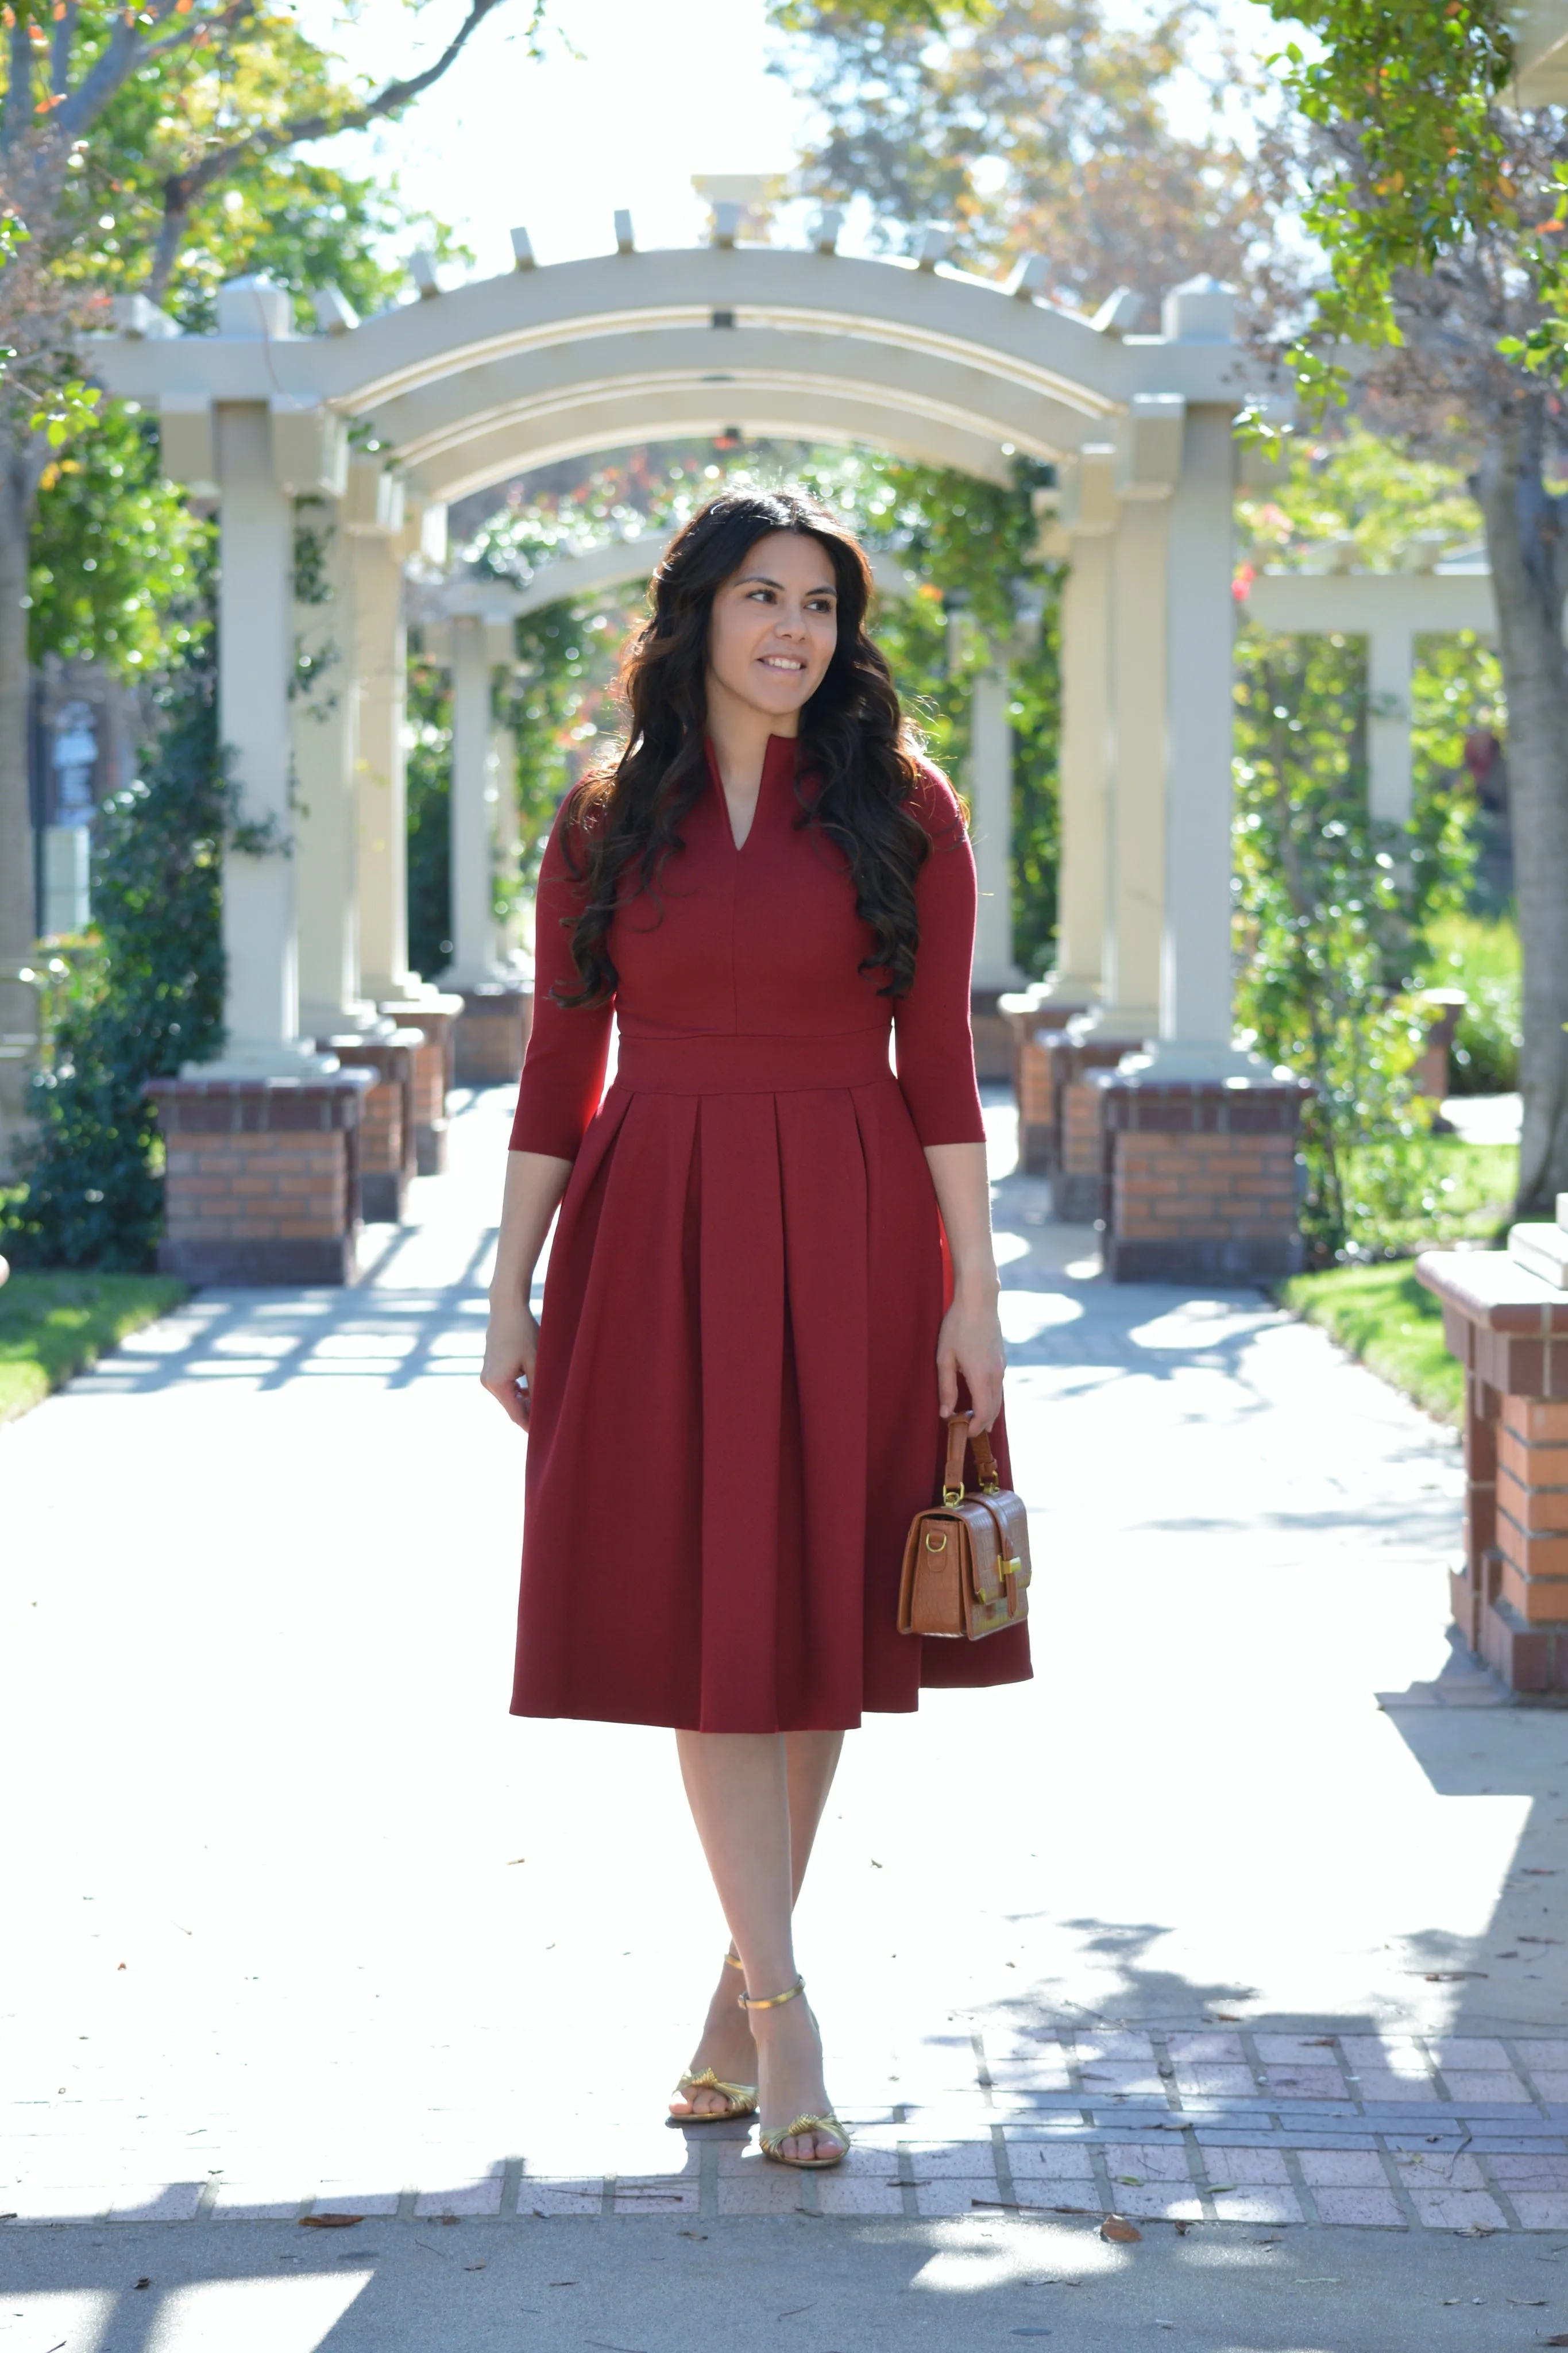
[958, 1439]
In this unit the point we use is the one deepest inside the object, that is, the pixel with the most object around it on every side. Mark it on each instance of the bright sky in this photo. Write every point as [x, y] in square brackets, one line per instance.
[660, 90]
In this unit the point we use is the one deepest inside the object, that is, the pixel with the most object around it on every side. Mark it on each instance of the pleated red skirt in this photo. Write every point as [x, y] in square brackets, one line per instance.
[736, 1411]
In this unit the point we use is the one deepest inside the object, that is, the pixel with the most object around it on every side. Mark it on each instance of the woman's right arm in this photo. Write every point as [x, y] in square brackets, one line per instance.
[562, 1079]
[534, 1183]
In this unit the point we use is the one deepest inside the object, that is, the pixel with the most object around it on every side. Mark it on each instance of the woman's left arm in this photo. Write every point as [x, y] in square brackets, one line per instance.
[970, 1342]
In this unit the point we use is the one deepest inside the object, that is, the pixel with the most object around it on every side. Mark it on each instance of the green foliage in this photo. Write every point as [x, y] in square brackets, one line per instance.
[1408, 97]
[1331, 913]
[1376, 507]
[1382, 1315]
[134, 1001]
[1481, 955]
[53, 1325]
[429, 738]
[115, 551]
[1038, 126]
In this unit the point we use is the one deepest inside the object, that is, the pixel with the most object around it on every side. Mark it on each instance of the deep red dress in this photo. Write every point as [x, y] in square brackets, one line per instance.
[734, 1412]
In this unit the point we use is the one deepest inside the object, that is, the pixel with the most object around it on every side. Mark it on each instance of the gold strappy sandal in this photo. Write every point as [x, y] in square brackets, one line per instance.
[772, 2142]
[741, 2099]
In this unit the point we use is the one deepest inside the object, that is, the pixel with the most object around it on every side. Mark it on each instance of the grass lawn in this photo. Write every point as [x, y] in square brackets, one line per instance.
[1382, 1315]
[1464, 1195]
[52, 1324]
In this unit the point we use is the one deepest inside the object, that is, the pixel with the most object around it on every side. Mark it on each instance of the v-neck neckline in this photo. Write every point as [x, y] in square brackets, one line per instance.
[778, 747]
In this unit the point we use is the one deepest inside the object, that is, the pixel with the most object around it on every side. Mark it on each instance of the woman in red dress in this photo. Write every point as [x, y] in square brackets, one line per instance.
[773, 1270]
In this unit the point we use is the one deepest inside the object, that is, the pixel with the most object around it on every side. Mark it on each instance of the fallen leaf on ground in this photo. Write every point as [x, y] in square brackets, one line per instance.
[474, 2267]
[514, 1859]
[1182, 2230]
[1117, 2228]
[1532, 2303]
[1561, 2337]
[1231, 2017]
[1543, 1870]
[1319, 2041]
[144, 2283]
[1450, 1977]
[119, 1965]
[449, 2218]
[1131, 2180]
[692, 2234]
[329, 2222]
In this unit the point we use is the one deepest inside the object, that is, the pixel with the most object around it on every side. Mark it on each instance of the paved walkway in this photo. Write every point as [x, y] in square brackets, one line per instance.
[1191, 1928]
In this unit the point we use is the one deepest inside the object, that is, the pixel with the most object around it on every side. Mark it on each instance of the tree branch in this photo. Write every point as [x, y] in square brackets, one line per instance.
[60, 49]
[19, 91]
[325, 125]
[125, 52]
[184, 190]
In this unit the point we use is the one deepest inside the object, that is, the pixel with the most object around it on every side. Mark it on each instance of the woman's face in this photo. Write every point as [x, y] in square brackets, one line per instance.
[774, 625]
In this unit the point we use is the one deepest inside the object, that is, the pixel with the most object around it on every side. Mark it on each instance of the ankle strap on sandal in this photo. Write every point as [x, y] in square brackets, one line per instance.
[733, 1961]
[771, 2000]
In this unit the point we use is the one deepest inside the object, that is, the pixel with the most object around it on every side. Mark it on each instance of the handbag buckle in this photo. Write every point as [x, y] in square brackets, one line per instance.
[952, 1497]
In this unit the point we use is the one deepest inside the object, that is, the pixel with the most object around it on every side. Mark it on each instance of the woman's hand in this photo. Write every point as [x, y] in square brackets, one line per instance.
[511, 1349]
[970, 1345]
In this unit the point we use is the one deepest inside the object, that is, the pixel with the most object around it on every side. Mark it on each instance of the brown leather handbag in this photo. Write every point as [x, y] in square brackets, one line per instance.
[966, 1563]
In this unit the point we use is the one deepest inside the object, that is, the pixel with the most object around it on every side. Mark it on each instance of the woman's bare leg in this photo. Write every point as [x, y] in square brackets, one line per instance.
[740, 1785]
[726, 2046]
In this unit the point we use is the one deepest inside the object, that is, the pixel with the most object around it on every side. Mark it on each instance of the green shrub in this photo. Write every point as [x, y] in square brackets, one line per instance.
[1481, 955]
[133, 1001]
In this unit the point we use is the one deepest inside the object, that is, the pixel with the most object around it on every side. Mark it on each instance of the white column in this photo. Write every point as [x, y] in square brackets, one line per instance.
[380, 666]
[990, 795]
[255, 628]
[1391, 661]
[1083, 770]
[1195, 976]
[473, 925]
[1134, 803]
[508, 836]
[323, 713]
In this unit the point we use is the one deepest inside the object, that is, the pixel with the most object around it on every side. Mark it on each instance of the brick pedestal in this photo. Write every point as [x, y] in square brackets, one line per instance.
[261, 1180]
[492, 1033]
[387, 1159]
[1074, 1153]
[1510, 1331]
[993, 1043]
[437, 1020]
[1199, 1176]
[1031, 1018]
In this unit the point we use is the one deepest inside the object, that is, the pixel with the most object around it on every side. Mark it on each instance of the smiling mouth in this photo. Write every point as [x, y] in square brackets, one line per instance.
[782, 661]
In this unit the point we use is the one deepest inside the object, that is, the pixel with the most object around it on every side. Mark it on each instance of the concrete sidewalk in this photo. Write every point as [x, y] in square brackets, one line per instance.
[1190, 1926]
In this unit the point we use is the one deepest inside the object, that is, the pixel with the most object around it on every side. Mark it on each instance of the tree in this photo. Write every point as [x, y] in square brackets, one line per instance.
[235, 89]
[1441, 214]
[1033, 125]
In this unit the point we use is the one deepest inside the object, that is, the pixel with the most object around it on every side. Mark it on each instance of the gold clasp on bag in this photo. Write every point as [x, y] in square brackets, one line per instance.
[935, 1543]
[952, 1496]
[1011, 1567]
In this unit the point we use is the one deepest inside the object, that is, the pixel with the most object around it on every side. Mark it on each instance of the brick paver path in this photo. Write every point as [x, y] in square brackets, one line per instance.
[1191, 1928]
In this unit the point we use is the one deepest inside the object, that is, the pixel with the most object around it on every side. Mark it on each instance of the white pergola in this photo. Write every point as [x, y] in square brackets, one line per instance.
[1390, 610]
[465, 388]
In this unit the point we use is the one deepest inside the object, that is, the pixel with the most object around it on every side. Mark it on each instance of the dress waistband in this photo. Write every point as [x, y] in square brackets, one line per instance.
[730, 1065]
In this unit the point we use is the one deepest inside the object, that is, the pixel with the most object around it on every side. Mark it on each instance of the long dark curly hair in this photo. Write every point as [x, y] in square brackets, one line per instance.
[859, 756]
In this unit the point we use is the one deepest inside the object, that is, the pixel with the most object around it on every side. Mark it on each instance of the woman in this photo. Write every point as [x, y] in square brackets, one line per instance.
[773, 1270]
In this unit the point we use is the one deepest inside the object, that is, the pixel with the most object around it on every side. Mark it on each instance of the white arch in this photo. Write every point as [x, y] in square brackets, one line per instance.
[608, 565]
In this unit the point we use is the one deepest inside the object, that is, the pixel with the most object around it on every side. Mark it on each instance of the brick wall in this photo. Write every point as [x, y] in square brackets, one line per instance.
[1201, 1177]
[261, 1177]
[1207, 1188]
[491, 1034]
[259, 1187]
[1079, 1190]
[1510, 1331]
[1532, 1507]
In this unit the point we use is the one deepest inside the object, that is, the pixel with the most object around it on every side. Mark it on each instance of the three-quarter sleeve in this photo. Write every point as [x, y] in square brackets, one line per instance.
[563, 1070]
[935, 1048]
